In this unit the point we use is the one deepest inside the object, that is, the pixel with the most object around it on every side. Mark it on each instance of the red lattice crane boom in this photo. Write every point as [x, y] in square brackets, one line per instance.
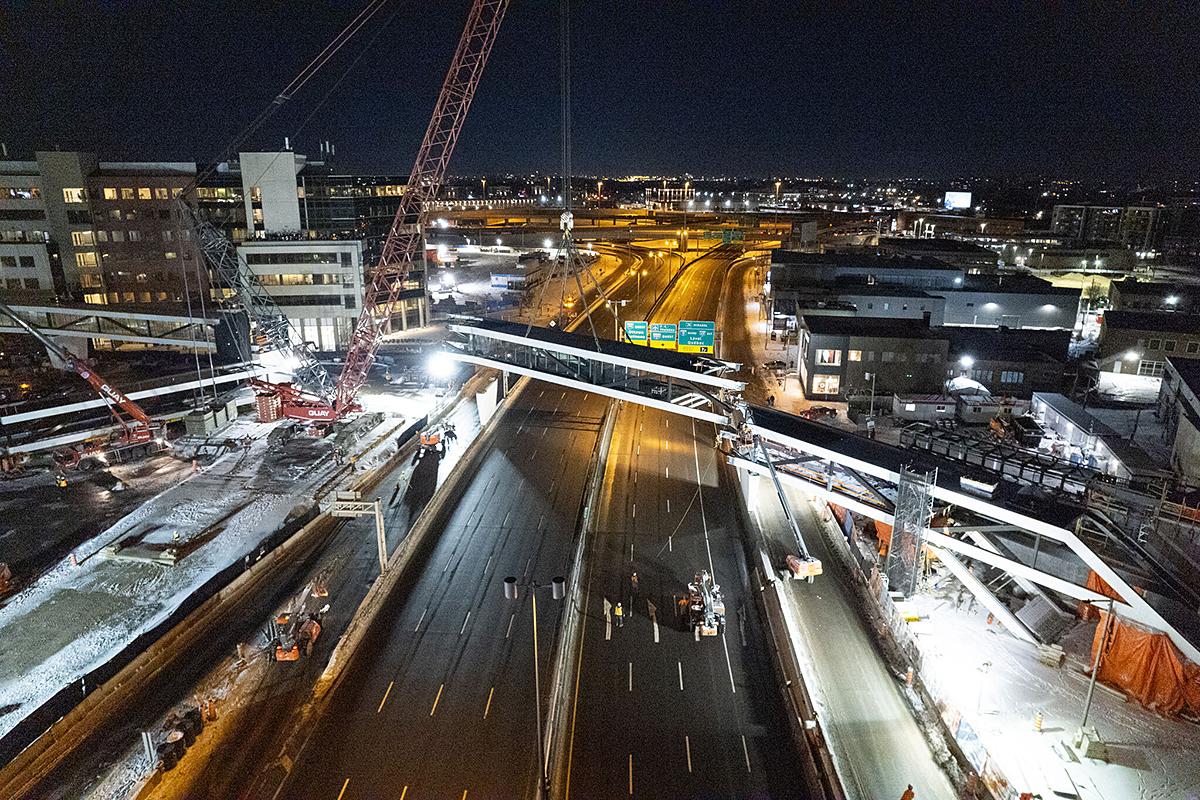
[405, 241]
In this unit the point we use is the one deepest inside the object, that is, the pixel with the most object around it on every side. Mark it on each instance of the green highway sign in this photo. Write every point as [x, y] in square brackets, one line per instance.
[637, 332]
[662, 335]
[697, 336]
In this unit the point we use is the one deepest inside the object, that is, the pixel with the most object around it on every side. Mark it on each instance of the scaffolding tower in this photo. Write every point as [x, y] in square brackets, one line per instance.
[914, 512]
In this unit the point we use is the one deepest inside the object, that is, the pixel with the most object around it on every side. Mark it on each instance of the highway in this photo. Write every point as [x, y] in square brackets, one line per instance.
[439, 699]
[656, 713]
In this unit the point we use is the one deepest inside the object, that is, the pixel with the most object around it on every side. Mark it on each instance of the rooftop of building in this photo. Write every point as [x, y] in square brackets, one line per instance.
[1161, 321]
[934, 246]
[868, 259]
[1134, 286]
[1008, 344]
[833, 289]
[881, 327]
[1014, 284]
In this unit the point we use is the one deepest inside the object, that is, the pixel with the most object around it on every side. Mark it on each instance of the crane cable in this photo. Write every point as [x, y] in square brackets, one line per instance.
[310, 69]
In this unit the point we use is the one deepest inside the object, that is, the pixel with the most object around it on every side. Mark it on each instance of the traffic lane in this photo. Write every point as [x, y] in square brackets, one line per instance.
[496, 644]
[697, 293]
[433, 587]
[742, 284]
[424, 644]
[878, 745]
[677, 716]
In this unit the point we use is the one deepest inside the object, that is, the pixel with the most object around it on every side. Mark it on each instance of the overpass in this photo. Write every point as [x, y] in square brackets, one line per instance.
[998, 522]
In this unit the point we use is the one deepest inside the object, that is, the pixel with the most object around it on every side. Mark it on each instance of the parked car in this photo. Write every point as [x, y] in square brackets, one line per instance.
[819, 412]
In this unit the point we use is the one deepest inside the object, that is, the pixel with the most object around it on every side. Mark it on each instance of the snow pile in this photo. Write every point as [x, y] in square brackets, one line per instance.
[74, 619]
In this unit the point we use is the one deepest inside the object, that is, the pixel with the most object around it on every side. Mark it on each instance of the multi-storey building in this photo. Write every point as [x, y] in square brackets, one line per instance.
[1138, 227]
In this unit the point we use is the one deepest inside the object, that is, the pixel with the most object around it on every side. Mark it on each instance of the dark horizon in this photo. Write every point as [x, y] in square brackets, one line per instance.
[1091, 95]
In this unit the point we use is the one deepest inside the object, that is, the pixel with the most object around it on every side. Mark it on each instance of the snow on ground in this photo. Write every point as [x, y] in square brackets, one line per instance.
[998, 684]
[75, 618]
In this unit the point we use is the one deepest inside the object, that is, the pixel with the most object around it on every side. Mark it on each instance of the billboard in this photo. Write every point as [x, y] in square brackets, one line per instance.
[662, 335]
[697, 336]
[637, 332]
[957, 200]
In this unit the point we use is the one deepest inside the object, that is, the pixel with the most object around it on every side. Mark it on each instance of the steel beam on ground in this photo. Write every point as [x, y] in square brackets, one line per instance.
[84, 405]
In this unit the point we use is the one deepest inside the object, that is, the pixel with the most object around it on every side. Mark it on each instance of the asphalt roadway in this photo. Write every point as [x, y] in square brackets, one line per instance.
[879, 749]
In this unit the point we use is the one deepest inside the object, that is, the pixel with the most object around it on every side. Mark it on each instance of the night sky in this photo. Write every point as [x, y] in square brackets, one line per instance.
[659, 87]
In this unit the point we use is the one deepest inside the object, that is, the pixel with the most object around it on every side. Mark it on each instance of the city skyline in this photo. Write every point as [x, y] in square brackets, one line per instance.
[752, 91]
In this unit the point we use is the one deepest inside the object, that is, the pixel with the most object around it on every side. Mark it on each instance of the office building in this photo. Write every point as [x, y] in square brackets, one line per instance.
[1139, 228]
[841, 356]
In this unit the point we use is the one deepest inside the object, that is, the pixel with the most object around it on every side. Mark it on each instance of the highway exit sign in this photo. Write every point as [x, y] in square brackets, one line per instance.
[697, 336]
[662, 335]
[637, 332]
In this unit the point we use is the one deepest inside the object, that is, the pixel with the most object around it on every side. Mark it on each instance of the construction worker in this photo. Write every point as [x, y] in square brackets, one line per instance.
[619, 613]
[633, 581]
[60, 480]
[909, 794]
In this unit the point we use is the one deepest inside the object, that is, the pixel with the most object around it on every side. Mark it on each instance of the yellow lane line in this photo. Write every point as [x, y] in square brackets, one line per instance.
[436, 699]
[343, 791]
[385, 697]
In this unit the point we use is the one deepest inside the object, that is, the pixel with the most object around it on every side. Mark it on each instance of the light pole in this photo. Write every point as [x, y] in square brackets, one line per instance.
[1087, 704]
[558, 590]
[614, 306]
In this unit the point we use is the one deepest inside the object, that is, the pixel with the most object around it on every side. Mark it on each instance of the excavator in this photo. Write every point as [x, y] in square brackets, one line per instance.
[135, 428]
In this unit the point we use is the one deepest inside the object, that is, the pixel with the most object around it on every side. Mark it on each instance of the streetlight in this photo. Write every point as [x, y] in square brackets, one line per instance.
[778, 186]
[558, 590]
[613, 306]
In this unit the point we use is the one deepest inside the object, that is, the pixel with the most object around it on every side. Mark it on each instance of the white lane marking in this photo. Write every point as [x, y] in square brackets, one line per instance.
[542, 392]
[746, 752]
[488, 707]
[668, 471]
[385, 697]
[465, 621]
[688, 744]
[533, 455]
[652, 611]
[488, 564]
[635, 511]
[528, 562]
[607, 619]
[436, 699]
[680, 665]
[448, 560]
[631, 551]
[728, 663]
[506, 516]
[639, 449]
[422, 619]
[631, 676]
[630, 776]
[668, 505]
[510, 623]
[347, 783]
[544, 432]
[564, 396]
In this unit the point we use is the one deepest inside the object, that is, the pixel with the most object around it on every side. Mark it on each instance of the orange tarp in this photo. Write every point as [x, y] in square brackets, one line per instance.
[1147, 666]
[1087, 611]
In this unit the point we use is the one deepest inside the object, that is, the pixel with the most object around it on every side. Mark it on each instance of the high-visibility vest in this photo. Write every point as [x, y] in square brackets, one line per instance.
[619, 611]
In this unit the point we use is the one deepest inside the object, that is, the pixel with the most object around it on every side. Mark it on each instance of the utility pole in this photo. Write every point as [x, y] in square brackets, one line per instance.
[1087, 705]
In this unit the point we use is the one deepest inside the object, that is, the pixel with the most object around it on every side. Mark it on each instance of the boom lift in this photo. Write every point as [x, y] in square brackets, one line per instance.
[136, 426]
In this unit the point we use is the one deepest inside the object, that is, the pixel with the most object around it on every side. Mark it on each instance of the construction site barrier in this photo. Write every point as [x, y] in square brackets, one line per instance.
[1147, 666]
